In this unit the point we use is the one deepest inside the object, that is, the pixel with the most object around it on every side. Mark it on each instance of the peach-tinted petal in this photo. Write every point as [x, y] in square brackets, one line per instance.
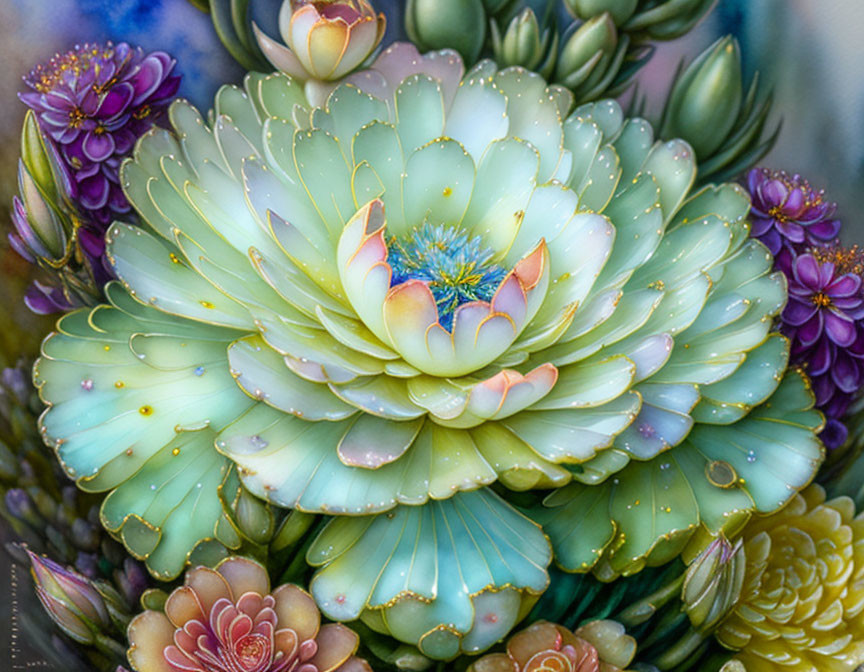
[362, 262]
[280, 56]
[336, 644]
[182, 605]
[363, 37]
[244, 576]
[327, 42]
[541, 636]
[354, 664]
[209, 586]
[509, 391]
[180, 661]
[303, 21]
[285, 640]
[297, 610]
[587, 658]
[610, 639]
[494, 662]
[250, 604]
[409, 313]
[510, 298]
[149, 633]
[533, 274]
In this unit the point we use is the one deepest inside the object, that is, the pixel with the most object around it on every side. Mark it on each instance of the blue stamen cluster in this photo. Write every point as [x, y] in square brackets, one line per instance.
[457, 267]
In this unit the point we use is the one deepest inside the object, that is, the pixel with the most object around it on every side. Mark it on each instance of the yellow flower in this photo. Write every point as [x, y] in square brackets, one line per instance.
[801, 605]
[325, 39]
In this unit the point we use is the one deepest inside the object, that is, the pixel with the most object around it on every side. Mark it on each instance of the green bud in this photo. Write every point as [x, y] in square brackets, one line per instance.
[46, 235]
[254, 518]
[705, 100]
[588, 52]
[523, 44]
[71, 601]
[668, 19]
[441, 24]
[619, 10]
[292, 529]
[712, 584]
[34, 153]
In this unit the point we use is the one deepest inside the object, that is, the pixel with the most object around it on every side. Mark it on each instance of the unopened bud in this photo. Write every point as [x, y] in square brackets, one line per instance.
[619, 10]
[442, 24]
[712, 584]
[705, 101]
[588, 52]
[71, 601]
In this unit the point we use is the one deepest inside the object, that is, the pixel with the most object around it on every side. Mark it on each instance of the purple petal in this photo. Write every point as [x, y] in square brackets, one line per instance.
[846, 374]
[98, 146]
[794, 205]
[772, 241]
[797, 312]
[759, 226]
[826, 230]
[824, 389]
[791, 230]
[150, 75]
[806, 272]
[834, 435]
[115, 101]
[94, 192]
[809, 332]
[822, 357]
[844, 286]
[839, 328]
[774, 191]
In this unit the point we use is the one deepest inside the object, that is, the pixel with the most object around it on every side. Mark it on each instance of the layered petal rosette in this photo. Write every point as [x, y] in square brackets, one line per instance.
[228, 620]
[434, 282]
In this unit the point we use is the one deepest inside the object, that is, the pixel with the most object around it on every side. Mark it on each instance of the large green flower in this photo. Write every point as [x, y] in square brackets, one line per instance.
[424, 285]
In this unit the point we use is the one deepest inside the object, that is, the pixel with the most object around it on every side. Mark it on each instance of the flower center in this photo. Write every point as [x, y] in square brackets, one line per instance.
[456, 267]
[845, 259]
[822, 300]
[252, 650]
[777, 213]
[46, 76]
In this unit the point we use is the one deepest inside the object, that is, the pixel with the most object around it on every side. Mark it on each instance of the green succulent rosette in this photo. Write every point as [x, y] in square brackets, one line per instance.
[621, 357]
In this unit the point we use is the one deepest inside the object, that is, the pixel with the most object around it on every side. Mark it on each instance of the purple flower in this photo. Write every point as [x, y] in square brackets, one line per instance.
[95, 102]
[823, 319]
[787, 211]
[822, 301]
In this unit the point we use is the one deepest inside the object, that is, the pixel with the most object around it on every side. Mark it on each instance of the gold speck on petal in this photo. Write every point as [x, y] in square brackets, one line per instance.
[175, 452]
[207, 305]
[119, 384]
[146, 410]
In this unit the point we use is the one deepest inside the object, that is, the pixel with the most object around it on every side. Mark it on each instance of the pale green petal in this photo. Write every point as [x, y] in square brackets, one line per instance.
[439, 179]
[263, 375]
[673, 165]
[586, 385]
[533, 115]
[574, 435]
[442, 560]
[478, 116]
[419, 112]
[505, 182]
[149, 272]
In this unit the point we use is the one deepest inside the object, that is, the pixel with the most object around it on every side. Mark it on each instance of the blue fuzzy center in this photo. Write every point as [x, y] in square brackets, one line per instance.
[457, 268]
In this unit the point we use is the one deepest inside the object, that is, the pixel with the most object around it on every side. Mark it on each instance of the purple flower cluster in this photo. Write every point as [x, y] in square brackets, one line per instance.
[824, 318]
[95, 102]
[91, 105]
[788, 213]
